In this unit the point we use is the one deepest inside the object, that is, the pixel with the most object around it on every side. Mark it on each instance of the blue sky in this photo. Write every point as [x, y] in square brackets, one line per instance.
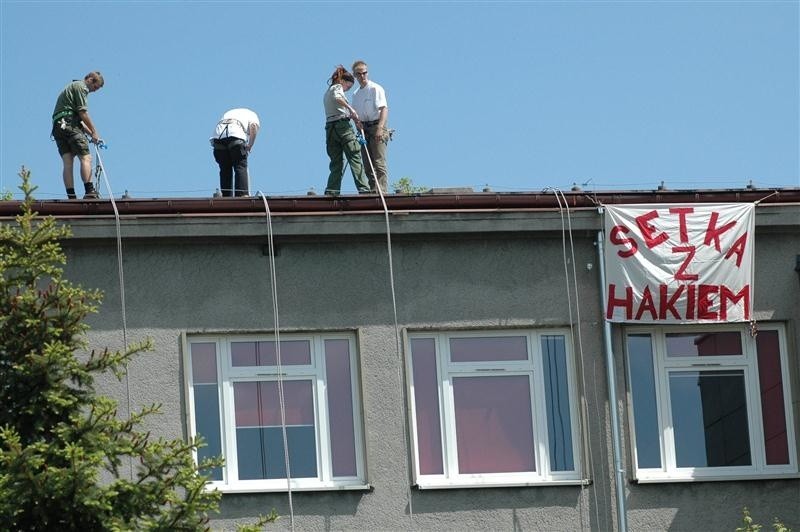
[517, 95]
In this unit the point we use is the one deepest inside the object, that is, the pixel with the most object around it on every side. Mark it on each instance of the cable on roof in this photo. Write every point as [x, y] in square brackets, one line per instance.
[274, 288]
[400, 373]
[593, 199]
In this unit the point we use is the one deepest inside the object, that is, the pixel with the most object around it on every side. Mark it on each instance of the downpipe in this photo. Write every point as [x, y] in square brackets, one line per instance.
[611, 381]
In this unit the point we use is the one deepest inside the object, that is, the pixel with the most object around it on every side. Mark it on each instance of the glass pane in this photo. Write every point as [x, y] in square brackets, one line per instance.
[204, 362]
[293, 353]
[206, 402]
[704, 344]
[260, 452]
[340, 408]
[643, 393]
[494, 428]
[709, 416]
[489, 349]
[770, 383]
[259, 437]
[559, 420]
[207, 424]
[426, 406]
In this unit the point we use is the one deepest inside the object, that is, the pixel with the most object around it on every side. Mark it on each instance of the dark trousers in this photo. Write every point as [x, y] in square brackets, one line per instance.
[231, 156]
[340, 138]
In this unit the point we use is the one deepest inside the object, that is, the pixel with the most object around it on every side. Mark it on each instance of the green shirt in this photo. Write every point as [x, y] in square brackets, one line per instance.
[71, 100]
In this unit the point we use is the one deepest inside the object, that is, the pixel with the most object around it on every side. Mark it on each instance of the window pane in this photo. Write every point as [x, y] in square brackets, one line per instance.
[293, 353]
[426, 406]
[559, 424]
[204, 362]
[207, 424]
[489, 349]
[259, 436]
[709, 416]
[340, 407]
[704, 344]
[770, 382]
[494, 429]
[206, 402]
[643, 393]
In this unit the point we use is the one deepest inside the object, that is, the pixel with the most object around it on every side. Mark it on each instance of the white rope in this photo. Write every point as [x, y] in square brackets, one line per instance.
[564, 231]
[400, 365]
[775, 192]
[274, 286]
[121, 274]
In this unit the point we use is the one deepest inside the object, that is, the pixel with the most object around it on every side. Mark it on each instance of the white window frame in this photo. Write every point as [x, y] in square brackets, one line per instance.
[227, 375]
[446, 370]
[748, 362]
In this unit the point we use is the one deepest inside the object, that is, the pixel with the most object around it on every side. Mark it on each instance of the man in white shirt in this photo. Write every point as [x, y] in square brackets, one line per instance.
[369, 102]
[233, 139]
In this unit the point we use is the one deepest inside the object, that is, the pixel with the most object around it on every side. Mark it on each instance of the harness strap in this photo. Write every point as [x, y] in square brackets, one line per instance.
[228, 121]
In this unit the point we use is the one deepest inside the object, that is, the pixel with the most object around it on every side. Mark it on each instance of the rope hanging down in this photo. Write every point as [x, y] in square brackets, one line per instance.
[567, 229]
[281, 400]
[404, 404]
[101, 170]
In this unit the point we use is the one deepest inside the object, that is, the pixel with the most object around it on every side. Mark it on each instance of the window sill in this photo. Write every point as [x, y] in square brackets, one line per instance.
[715, 478]
[498, 484]
[255, 489]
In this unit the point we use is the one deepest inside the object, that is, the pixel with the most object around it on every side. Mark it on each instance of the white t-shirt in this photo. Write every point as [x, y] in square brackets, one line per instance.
[236, 123]
[368, 101]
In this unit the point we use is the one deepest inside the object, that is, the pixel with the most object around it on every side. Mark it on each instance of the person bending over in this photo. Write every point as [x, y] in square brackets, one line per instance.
[233, 140]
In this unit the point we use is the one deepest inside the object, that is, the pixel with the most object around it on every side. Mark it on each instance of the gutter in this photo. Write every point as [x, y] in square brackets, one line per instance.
[395, 202]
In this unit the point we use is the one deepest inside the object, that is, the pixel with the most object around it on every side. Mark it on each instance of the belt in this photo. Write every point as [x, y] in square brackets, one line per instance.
[62, 114]
[371, 123]
[345, 119]
[228, 141]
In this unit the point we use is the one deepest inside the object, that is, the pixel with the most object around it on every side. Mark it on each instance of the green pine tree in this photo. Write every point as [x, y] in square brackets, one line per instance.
[64, 452]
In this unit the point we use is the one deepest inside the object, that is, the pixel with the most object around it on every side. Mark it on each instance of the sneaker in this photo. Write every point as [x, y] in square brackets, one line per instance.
[91, 195]
[331, 192]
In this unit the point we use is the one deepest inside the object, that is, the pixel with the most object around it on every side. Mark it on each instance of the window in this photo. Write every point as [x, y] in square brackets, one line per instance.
[235, 405]
[710, 404]
[493, 409]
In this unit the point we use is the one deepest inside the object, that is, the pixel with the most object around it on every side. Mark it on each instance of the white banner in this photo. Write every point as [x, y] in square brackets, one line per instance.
[679, 263]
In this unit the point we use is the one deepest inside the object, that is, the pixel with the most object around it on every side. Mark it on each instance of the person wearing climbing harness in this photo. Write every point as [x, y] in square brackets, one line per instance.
[71, 124]
[233, 140]
[369, 102]
[340, 138]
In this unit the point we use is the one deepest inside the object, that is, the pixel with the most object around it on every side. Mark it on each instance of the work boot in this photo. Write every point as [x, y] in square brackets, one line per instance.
[91, 192]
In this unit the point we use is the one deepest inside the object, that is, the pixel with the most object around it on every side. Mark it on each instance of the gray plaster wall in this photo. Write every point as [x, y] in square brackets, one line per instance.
[452, 270]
